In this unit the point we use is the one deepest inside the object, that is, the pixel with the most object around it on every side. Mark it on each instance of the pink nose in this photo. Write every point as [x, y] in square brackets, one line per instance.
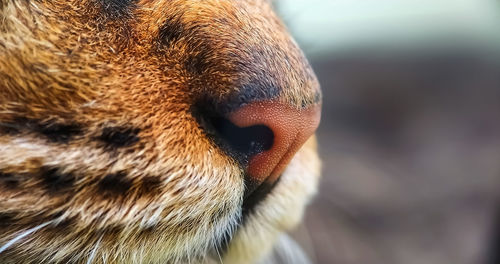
[291, 127]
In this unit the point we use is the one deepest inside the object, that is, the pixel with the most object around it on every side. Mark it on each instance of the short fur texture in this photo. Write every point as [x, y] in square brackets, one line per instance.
[102, 156]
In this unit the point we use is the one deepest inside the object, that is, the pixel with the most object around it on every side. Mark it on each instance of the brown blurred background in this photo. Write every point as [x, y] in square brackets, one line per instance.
[410, 132]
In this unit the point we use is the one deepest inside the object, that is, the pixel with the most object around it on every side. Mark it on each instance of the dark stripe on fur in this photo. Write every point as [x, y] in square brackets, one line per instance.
[115, 184]
[197, 63]
[8, 180]
[117, 9]
[170, 32]
[54, 131]
[58, 132]
[7, 219]
[50, 178]
[150, 185]
[117, 137]
[56, 182]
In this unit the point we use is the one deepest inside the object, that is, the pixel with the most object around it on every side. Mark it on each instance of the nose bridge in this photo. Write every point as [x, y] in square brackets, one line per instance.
[270, 65]
[241, 51]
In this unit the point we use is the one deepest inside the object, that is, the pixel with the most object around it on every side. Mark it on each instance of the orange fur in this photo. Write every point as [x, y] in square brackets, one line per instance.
[70, 70]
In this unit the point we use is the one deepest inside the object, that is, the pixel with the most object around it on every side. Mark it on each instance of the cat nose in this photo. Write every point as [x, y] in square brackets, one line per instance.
[275, 132]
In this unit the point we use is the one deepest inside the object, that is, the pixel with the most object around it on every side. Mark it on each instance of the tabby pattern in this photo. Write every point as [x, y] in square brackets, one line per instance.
[108, 148]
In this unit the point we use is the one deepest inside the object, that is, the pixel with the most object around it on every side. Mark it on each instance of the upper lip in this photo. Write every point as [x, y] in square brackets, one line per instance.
[254, 194]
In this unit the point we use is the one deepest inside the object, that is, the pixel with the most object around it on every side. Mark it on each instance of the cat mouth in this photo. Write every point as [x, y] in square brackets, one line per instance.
[254, 194]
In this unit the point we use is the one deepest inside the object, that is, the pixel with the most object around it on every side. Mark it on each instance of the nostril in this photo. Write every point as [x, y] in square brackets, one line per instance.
[243, 142]
[291, 127]
[263, 135]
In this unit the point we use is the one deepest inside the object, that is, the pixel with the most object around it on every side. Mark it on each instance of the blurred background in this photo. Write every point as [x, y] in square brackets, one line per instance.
[410, 132]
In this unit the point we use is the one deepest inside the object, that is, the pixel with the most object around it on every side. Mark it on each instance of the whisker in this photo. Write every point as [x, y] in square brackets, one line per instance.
[93, 252]
[24, 234]
[218, 253]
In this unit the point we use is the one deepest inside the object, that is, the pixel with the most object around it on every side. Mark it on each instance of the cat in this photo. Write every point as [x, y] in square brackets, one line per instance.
[152, 131]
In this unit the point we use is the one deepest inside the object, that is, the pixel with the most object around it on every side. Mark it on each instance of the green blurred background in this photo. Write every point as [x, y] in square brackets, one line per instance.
[410, 132]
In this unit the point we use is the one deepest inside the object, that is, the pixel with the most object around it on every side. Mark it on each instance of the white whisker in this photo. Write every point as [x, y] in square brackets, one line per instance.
[218, 254]
[93, 252]
[23, 234]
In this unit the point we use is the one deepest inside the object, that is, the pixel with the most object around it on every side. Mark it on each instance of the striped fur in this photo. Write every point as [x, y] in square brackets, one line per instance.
[102, 156]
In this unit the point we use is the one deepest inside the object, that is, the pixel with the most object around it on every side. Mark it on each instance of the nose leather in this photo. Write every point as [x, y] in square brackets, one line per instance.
[291, 127]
